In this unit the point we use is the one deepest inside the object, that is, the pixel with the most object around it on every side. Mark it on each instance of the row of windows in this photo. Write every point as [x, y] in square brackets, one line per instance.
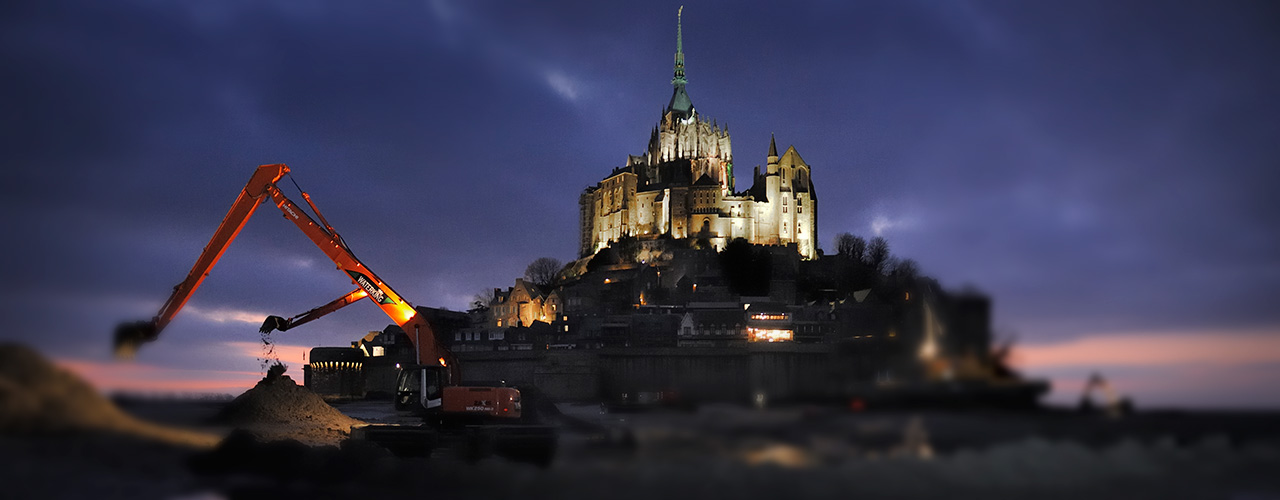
[474, 336]
[712, 330]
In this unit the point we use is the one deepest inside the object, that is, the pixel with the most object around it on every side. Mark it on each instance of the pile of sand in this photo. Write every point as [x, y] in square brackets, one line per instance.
[37, 397]
[278, 408]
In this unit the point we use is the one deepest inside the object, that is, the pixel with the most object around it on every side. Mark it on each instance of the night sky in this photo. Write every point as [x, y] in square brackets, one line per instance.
[1107, 171]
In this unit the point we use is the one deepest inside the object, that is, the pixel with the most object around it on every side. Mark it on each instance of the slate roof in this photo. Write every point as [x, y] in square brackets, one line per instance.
[680, 102]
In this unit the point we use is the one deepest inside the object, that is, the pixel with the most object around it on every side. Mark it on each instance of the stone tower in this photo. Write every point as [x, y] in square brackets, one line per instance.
[682, 134]
[682, 187]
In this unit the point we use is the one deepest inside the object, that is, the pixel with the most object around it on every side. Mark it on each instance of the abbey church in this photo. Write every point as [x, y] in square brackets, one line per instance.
[683, 186]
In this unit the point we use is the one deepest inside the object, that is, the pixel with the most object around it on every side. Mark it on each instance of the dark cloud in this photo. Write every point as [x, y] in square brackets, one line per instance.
[1095, 166]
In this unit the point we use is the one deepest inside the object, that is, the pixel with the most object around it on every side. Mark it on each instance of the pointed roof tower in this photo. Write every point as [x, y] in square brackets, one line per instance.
[680, 102]
[771, 163]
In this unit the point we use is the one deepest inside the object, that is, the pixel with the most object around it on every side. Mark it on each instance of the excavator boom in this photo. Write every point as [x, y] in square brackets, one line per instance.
[130, 336]
[262, 185]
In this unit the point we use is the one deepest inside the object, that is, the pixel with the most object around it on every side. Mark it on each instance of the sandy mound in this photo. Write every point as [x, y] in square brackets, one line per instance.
[278, 408]
[37, 397]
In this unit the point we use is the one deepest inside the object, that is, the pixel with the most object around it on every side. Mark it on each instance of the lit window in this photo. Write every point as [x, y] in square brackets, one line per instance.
[768, 335]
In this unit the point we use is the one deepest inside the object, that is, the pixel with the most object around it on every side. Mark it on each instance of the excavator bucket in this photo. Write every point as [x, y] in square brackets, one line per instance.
[131, 335]
[274, 323]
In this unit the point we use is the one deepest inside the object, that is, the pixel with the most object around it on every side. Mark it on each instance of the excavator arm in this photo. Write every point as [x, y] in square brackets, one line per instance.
[284, 324]
[261, 187]
[130, 336]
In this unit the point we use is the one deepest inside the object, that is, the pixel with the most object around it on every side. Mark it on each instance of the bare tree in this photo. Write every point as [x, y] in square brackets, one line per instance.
[543, 271]
[850, 246]
[1001, 357]
[906, 268]
[877, 254]
[482, 299]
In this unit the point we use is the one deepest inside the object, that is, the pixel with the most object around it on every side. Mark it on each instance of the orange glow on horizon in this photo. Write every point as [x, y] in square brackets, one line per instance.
[1154, 349]
[110, 376]
[292, 355]
[136, 377]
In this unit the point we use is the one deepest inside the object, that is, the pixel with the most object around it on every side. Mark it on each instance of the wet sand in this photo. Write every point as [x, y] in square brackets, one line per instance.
[713, 451]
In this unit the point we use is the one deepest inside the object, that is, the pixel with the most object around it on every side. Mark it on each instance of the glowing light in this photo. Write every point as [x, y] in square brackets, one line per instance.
[769, 335]
[442, 363]
[406, 312]
[928, 349]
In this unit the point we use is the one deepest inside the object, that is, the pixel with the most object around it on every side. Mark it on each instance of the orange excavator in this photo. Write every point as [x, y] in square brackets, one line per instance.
[429, 387]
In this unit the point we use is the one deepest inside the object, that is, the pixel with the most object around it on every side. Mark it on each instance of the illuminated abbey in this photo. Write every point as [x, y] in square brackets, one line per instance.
[682, 187]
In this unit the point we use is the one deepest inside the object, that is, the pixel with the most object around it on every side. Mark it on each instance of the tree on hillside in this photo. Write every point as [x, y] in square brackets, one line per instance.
[906, 268]
[628, 248]
[482, 299]
[851, 247]
[877, 254]
[747, 268]
[542, 271]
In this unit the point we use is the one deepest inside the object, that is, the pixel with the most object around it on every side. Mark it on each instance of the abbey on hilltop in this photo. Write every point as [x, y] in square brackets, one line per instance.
[682, 187]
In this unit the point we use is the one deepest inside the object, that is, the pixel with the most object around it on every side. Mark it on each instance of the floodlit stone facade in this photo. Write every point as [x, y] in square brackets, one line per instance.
[682, 186]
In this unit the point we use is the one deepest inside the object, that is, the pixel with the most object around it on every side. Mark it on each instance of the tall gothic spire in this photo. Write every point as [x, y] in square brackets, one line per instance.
[679, 80]
[680, 102]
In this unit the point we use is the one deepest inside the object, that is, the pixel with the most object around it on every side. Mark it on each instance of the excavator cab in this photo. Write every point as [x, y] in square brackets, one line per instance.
[420, 387]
